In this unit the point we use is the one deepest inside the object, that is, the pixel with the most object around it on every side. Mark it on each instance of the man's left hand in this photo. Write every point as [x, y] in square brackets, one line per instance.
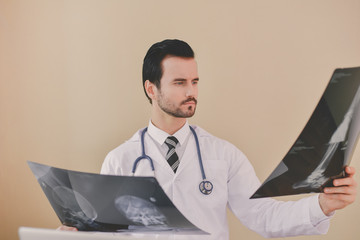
[342, 194]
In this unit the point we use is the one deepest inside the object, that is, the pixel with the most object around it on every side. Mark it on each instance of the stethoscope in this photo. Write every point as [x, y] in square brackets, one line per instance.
[205, 186]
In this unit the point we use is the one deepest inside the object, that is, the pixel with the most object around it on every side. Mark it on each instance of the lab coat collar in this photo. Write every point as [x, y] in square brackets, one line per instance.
[160, 136]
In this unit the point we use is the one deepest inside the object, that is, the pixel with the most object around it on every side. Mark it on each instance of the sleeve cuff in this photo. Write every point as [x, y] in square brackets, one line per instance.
[317, 217]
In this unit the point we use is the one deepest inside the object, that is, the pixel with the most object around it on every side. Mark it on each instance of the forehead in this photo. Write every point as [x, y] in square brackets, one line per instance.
[179, 67]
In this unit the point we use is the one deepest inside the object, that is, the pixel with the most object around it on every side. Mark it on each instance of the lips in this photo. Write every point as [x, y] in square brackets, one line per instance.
[190, 103]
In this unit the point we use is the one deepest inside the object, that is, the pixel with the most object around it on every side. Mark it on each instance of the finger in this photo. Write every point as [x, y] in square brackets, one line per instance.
[341, 190]
[348, 181]
[66, 228]
[350, 170]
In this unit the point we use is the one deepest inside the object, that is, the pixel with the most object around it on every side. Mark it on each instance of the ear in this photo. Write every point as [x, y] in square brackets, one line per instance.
[150, 89]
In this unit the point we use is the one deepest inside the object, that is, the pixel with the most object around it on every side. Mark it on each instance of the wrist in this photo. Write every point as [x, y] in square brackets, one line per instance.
[324, 208]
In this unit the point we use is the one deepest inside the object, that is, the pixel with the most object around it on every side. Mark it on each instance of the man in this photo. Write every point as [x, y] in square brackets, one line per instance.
[170, 81]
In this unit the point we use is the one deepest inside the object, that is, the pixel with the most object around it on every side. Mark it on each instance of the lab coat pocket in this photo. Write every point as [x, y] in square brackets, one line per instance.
[216, 174]
[196, 206]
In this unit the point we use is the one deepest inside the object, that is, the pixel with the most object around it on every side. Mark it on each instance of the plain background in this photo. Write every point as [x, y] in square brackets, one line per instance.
[70, 84]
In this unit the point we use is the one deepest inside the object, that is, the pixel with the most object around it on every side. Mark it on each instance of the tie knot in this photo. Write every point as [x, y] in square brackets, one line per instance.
[171, 141]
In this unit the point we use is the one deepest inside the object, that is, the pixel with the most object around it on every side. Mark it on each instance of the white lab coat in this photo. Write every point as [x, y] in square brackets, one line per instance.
[234, 181]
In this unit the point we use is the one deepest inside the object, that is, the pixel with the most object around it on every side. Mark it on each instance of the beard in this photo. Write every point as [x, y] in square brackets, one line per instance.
[176, 111]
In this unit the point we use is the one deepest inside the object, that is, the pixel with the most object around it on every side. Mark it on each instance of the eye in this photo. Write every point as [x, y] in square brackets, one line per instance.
[179, 82]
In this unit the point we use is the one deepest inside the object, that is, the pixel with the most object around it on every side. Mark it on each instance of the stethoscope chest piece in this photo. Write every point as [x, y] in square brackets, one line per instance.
[206, 187]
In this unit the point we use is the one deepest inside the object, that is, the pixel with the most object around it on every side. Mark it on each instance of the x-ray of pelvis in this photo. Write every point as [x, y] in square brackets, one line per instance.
[94, 202]
[326, 144]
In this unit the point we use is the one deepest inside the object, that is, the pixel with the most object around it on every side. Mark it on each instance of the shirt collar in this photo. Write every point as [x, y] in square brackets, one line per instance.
[160, 136]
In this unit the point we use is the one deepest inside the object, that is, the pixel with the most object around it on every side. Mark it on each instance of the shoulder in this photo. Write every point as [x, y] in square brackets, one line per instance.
[217, 144]
[115, 159]
[128, 144]
[202, 133]
[205, 136]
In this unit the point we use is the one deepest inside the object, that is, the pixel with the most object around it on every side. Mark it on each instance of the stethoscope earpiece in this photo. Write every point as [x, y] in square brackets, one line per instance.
[205, 186]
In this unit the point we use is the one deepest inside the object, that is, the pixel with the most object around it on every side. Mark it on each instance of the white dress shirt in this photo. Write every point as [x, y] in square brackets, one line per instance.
[232, 176]
[159, 137]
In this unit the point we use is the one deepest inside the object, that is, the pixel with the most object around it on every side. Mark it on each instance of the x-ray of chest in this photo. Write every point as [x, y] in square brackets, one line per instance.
[325, 145]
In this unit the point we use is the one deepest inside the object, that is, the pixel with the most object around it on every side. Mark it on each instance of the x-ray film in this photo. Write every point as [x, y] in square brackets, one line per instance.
[326, 144]
[94, 202]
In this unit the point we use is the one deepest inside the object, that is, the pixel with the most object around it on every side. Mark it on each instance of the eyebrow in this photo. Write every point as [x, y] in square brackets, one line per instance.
[183, 79]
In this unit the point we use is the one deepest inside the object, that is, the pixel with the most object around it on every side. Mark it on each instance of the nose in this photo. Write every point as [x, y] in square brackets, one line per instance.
[191, 91]
[188, 93]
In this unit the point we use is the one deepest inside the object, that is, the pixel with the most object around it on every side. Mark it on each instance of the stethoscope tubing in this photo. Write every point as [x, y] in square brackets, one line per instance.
[205, 186]
[143, 155]
[199, 153]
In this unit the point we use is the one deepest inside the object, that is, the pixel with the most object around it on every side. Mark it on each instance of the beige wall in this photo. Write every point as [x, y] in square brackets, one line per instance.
[70, 84]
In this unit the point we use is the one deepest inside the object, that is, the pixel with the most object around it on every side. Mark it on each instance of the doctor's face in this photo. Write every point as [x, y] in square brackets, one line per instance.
[177, 95]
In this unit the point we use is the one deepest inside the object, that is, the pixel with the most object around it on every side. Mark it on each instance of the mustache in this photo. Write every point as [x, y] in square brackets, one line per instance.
[189, 100]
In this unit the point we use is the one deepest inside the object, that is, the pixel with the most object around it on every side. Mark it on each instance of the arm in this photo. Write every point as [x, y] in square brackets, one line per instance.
[341, 195]
[270, 217]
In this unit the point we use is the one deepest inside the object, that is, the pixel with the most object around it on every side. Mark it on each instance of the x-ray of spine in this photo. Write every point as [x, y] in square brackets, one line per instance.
[325, 145]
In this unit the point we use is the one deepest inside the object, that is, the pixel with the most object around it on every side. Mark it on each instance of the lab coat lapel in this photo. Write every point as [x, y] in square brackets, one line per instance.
[163, 171]
[189, 156]
[160, 164]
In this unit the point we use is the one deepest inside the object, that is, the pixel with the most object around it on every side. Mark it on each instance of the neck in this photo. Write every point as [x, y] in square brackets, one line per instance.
[167, 123]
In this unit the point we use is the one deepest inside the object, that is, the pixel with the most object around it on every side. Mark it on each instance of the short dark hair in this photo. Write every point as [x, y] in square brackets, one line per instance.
[152, 69]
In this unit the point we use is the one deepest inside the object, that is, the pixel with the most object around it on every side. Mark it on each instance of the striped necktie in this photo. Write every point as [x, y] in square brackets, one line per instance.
[171, 156]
